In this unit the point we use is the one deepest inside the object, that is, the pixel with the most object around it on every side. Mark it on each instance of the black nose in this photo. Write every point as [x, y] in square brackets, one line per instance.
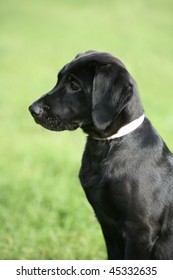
[35, 110]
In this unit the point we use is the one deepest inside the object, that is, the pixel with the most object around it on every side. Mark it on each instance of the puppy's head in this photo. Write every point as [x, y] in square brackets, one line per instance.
[92, 92]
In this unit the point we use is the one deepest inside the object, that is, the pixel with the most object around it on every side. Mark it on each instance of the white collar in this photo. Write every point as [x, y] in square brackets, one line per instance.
[125, 129]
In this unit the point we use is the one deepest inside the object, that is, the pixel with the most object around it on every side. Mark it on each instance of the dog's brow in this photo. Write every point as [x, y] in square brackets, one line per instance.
[60, 74]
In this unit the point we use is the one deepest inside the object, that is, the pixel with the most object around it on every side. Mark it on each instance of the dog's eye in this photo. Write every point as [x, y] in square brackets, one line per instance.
[73, 84]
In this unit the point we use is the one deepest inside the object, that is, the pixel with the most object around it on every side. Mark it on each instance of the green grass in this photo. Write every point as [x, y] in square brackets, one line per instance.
[43, 211]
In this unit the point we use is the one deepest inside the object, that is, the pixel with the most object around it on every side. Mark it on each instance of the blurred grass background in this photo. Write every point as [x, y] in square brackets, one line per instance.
[43, 211]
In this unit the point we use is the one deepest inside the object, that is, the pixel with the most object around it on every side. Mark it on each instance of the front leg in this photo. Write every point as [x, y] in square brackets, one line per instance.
[138, 244]
[113, 240]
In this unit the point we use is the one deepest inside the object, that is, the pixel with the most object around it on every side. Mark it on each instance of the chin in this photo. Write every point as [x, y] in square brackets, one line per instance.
[56, 125]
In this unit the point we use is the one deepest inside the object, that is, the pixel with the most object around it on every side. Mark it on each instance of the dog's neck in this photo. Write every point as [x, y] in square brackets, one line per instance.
[128, 128]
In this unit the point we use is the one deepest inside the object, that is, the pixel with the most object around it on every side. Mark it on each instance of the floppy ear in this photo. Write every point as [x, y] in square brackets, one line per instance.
[111, 92]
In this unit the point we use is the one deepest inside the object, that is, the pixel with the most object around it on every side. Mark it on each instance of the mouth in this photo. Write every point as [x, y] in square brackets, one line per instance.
[54, 123]
[49, 122]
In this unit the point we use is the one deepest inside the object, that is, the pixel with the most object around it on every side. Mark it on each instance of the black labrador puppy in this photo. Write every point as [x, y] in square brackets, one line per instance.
[127, 169]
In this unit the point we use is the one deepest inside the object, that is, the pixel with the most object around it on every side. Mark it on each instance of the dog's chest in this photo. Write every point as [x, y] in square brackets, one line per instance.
[104, 193]
[92, 169]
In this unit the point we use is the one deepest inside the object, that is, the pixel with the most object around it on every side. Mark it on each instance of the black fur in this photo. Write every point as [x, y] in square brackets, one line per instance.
[128, 180]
